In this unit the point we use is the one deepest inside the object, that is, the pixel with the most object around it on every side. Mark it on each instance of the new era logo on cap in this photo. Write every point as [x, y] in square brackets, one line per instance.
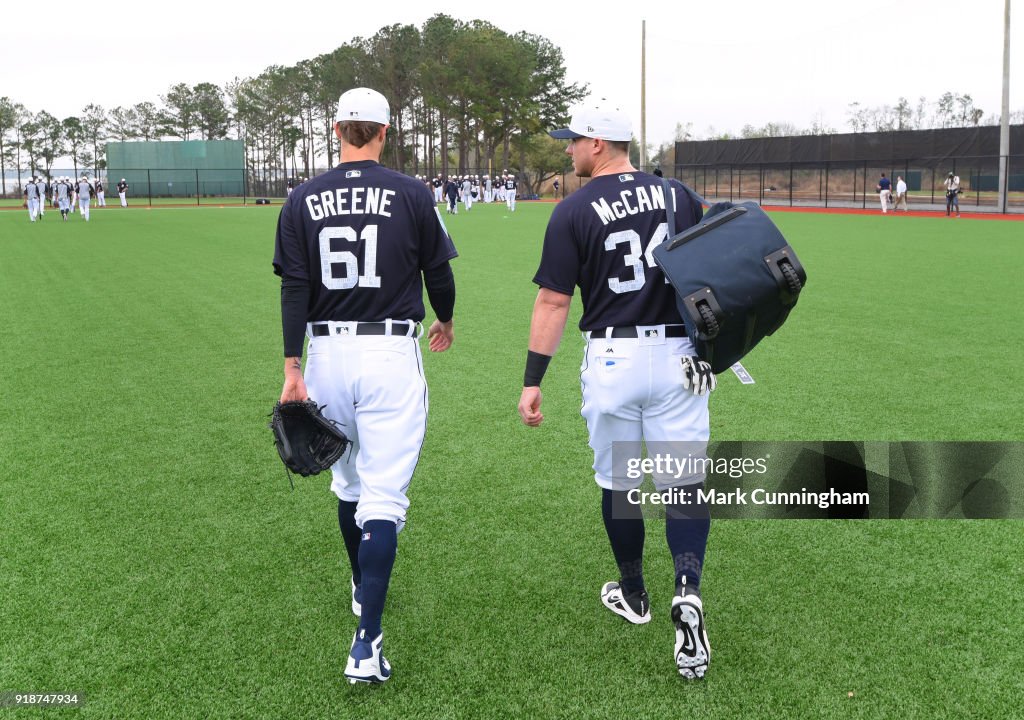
[600, 120]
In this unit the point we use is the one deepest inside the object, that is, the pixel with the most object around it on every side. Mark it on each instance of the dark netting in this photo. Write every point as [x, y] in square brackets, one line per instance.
[844, 170]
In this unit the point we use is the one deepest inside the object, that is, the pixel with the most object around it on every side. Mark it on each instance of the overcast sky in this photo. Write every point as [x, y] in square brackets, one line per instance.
[791, 61]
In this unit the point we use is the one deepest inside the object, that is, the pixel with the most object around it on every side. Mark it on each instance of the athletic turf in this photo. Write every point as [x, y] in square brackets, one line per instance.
[153, 556]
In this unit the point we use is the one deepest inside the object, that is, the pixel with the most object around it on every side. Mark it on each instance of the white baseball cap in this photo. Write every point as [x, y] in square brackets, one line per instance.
[600, 120]
[364, 105]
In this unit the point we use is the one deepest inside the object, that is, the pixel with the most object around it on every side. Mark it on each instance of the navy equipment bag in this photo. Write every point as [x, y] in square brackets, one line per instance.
[735, 276]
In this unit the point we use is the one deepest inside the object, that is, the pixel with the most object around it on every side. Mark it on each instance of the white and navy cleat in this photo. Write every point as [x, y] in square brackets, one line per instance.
[693, 651]
[634, 607]
[366, 661]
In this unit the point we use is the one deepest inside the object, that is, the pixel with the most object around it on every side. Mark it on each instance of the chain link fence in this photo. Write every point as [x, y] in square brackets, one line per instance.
[853, 184]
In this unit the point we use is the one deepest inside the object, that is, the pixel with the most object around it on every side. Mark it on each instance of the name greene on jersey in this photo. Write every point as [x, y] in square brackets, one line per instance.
[350, 201]
[631, 201]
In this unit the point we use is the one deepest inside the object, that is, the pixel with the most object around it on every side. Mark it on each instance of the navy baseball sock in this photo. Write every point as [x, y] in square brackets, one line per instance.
[350, 533]
[686, 529]
[624, 523]
[376, 558]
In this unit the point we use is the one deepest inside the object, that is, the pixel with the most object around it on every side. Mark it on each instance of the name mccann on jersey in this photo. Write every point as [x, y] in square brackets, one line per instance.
[350, 201]
[645, 200]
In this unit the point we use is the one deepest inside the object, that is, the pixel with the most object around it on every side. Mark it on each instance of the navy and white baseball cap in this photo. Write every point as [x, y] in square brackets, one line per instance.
[601, 120]
[364, 105]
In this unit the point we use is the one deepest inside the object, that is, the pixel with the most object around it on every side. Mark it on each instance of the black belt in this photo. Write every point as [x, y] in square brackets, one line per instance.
[630, 331]
[367, 328]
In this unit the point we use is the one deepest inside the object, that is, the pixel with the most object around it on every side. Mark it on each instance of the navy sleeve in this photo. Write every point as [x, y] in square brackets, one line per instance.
[436, 246]
[560, 259]
[289, 251]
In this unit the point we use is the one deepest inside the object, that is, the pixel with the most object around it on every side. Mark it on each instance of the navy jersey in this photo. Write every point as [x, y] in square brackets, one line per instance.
[361, 235]
[436, 182]
[510, 183]
[122, 187]
[602, 239]
[884, 184]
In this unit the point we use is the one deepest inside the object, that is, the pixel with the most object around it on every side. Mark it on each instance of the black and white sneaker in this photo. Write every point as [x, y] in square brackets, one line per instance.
[635, 606]
[693, 651]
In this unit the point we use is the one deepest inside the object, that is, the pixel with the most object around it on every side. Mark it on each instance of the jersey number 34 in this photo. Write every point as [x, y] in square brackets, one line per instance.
[635, 257]
[329, 258]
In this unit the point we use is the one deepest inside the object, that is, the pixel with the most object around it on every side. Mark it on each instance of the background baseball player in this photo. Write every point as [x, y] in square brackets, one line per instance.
[884, 188]
[31, 193]
[451, 191]
[63, 193]
[352, 245]
[952, 184]
[122, 192]
[41, 191]
[84, 196]
[640, 379]
[510, 192]
[100, 200]
[467, 192]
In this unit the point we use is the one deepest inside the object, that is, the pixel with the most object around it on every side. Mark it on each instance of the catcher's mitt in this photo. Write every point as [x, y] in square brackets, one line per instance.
[307, 442]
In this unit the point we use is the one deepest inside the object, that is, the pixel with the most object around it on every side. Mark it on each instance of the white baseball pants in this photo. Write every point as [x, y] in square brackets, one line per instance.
[373, 385]
[633, 391]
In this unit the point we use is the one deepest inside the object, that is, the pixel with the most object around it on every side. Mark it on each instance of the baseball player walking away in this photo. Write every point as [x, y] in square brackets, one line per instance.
[84, 196]
[884, 188]
[467, 192]
[41, 191]
[64, 198]
[31, 193]
[952, 184]
[122, 192]
[354, 248]
[640, 378]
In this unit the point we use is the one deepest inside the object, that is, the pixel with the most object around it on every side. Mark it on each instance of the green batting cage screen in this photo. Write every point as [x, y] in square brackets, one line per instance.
[186, 169]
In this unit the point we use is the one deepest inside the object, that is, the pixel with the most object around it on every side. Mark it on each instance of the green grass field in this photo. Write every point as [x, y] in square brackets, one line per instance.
[153, 556]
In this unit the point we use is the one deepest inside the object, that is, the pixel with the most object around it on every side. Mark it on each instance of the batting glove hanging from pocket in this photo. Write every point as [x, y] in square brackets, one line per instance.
[697, 375]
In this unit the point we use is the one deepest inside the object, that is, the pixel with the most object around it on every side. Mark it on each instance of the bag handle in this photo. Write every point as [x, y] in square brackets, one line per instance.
[670, 203]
